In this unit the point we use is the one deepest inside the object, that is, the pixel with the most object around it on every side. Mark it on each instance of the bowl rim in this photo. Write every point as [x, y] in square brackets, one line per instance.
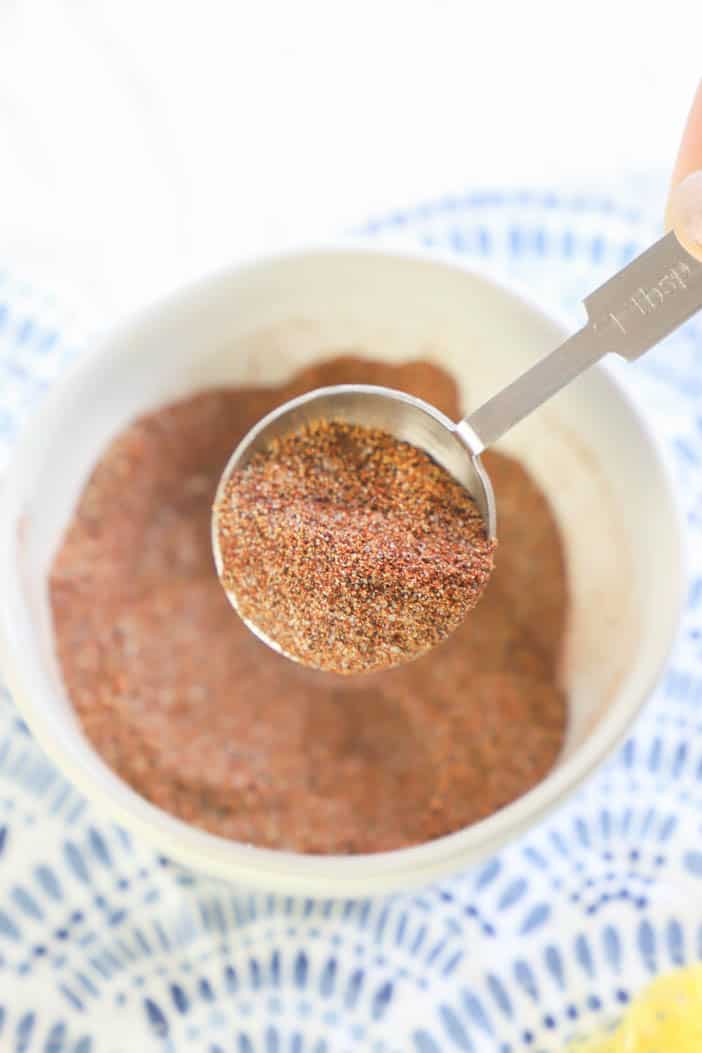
[339, 875]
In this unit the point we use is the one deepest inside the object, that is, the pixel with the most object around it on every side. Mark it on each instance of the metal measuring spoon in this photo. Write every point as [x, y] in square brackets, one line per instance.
[628, 315]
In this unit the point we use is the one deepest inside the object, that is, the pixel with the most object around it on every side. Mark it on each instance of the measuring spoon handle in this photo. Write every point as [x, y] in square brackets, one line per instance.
[628, 315]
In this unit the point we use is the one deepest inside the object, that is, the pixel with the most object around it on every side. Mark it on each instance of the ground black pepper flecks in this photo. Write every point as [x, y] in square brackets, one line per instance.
[209, 724]
[351, 550]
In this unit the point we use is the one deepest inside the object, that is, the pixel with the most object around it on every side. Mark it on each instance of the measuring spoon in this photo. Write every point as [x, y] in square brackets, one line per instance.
[627, 316]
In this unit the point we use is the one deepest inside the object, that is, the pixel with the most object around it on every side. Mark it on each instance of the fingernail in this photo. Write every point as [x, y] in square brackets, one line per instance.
[684, 213]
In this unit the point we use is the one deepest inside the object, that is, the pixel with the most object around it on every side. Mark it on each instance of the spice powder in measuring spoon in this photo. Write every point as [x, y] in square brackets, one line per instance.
[349, 549]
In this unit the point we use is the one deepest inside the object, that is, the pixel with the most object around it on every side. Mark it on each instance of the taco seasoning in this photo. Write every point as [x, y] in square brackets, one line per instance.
[350, 550]
[209, 724]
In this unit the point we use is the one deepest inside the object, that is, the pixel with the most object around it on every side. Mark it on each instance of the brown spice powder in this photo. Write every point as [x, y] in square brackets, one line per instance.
[351, 550]
[202, 719]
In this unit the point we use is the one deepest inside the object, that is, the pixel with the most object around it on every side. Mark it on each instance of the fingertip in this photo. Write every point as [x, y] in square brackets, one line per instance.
[684, 213]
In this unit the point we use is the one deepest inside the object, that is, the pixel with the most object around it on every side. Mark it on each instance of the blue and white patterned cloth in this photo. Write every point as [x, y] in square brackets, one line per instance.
[105, 948]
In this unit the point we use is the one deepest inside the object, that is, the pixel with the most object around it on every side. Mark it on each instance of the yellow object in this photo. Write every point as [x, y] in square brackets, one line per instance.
[665, 1018]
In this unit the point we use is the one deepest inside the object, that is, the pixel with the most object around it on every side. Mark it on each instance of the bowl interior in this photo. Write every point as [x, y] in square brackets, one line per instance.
[587, 448]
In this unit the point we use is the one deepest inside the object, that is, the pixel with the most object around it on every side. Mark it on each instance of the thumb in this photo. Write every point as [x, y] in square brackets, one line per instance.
[684, 210]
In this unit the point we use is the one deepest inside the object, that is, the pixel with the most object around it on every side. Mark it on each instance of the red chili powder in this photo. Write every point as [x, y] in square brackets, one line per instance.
[184, 703]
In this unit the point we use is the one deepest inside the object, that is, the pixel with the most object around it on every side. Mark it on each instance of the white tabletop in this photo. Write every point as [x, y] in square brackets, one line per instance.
[143, 142]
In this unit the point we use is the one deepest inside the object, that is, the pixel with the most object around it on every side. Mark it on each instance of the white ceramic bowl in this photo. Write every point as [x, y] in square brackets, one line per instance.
[589, 449]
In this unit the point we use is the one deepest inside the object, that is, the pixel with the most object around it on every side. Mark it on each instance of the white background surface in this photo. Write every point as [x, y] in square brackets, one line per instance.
[144, 141]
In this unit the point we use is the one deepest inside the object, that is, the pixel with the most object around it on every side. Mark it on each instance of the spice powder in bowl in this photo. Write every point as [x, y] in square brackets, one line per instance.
[350, 550]
[207, 722]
